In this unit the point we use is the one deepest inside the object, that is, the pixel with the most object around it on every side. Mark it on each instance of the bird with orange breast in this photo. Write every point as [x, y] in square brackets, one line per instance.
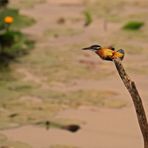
[108, 54]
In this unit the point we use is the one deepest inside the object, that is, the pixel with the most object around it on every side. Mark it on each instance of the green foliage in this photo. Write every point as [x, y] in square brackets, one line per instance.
[20, 21]
[88, 18]
[7, 39]
[13, 43]
[133, 25]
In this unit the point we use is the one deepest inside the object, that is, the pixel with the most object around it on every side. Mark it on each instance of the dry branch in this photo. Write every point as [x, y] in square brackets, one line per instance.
[131, 87]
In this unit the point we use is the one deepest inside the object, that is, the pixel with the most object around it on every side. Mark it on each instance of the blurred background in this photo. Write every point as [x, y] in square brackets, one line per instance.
[47, 80]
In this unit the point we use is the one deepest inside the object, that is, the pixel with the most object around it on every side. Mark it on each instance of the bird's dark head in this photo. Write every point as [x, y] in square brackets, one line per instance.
[92, 47]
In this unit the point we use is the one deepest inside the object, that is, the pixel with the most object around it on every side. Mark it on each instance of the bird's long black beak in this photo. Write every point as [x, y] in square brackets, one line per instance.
[86, 48]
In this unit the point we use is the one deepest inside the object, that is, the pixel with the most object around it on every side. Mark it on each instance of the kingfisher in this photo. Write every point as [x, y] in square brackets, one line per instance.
[108, 53]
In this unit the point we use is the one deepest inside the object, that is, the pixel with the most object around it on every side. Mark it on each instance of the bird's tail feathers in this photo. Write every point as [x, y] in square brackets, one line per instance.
[122, 52]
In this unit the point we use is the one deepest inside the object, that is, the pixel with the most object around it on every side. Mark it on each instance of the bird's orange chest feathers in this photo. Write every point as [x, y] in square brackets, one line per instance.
[100, 52]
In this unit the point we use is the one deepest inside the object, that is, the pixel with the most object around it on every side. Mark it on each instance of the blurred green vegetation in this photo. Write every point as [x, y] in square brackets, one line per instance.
[13, 43]
[20, 21]
[88, 17]
[133, 25]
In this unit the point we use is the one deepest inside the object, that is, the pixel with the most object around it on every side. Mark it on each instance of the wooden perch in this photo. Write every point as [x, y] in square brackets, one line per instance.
[131, 87]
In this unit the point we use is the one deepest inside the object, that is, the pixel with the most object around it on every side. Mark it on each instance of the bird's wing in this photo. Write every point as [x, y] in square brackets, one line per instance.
[108, 52]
